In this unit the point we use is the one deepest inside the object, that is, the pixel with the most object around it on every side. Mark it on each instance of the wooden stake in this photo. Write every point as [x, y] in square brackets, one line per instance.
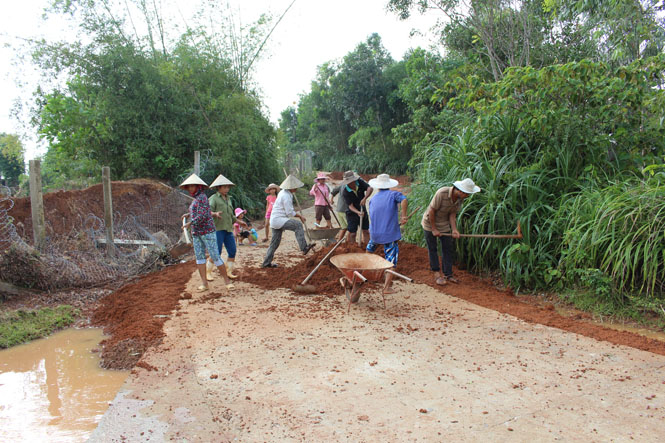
[37, 204]
[108, 209]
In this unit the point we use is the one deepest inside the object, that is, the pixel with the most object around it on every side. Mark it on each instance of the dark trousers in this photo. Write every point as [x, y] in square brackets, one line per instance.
[447, 253]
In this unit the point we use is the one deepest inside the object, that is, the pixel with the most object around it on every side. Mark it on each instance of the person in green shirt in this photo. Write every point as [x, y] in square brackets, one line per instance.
[224, 217]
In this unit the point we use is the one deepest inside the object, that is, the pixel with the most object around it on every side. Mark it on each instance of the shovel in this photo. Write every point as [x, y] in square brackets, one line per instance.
[518, 235]
[308, 289]
[183, 246]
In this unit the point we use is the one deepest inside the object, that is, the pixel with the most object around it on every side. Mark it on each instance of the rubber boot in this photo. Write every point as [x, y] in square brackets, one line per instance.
[229, 269]
[210, 267]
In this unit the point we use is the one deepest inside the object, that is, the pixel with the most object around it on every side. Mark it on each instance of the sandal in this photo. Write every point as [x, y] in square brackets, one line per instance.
[271, 265]
[202, 288]
[453, 280]
[230, 286]
[441, 281]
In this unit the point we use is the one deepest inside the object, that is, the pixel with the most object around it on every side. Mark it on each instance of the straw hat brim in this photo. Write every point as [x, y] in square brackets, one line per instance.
[466, 189]
[349, 180]
[291, 183]
[193, 180]
[221, 181]
[272, 186]
[382, 184]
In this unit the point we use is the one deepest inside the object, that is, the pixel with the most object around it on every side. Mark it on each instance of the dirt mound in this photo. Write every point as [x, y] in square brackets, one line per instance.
[67, 210]
[134, 315]
[413, 262]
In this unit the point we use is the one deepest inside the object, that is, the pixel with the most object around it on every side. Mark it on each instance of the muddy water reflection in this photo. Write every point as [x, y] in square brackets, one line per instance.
[53, 389]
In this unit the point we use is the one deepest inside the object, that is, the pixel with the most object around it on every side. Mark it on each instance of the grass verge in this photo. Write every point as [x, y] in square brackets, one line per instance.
[21, 326]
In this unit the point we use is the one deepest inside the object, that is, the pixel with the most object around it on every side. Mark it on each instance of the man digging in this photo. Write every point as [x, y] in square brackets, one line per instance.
[441, 218]
[384, 230]
[281, 219]
[356, 191]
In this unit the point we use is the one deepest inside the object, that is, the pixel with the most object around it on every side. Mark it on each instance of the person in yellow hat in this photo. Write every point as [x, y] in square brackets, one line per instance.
[203, 230]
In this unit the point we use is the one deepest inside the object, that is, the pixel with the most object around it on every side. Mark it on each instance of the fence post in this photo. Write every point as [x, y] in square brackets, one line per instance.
[197, 163]
[108, 210]
[37, 204]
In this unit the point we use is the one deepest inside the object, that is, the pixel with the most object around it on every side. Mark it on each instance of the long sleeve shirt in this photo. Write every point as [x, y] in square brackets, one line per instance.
[282, 210]
[321, 195]
[200, 216]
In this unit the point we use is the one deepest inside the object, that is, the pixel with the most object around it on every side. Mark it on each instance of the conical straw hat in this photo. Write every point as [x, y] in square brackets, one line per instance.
[291, 183]
[193, 180]
[221, 181]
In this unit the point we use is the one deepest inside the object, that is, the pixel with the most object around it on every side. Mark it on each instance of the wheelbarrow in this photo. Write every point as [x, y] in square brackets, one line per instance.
[358, 268]
[325, 235]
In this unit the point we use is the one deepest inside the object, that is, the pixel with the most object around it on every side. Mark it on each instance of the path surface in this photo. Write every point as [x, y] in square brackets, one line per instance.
[257, 365]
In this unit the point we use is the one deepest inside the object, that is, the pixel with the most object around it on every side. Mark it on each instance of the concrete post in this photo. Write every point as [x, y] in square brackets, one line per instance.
[108, 209]
[197, 163]
[37, 204]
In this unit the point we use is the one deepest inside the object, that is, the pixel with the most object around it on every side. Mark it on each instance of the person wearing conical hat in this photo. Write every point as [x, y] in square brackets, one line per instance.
[384, 229]
[281, 219]
[203, 228]
[439, 218]
[272, 191]
[224, 218]
[356, 191]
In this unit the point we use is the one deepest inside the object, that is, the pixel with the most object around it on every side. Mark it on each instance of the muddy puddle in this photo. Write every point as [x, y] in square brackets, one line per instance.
[53, 389]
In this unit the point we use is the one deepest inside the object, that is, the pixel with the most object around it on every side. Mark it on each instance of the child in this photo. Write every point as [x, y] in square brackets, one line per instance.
[272, 191]
[243, 234]
[321, 193]
[203, 230]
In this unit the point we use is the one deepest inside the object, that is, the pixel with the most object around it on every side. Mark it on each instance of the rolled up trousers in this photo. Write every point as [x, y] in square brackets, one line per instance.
[291, 225]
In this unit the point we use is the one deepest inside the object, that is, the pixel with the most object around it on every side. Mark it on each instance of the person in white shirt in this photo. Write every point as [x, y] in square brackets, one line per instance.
[281, 219]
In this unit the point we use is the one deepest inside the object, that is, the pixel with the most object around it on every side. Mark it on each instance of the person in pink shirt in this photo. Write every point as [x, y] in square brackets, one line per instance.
[321, 193]
[272, 191]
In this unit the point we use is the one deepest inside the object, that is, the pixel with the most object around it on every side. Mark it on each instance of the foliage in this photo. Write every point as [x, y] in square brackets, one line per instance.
[622, 30]
[348, 116]
[21, 326]
[143, 105]
[11, 158]
[618, 230]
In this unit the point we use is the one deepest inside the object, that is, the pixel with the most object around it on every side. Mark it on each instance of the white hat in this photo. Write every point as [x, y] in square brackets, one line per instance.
[193, 180]
[291, 183]
[467, 186]
[221, 181]
[383, 181]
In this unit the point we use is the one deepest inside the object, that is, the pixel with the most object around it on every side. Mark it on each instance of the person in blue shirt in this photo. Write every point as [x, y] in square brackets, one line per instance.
[384, 229]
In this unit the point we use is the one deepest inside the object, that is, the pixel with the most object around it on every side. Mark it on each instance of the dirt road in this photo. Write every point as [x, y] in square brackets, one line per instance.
[270, 365]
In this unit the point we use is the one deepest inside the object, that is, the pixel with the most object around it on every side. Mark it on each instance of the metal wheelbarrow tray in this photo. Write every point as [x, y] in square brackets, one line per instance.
[325, 235]
[358, 268]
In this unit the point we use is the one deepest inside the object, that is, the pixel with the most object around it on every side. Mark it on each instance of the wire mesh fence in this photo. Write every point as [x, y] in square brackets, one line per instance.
[145, 226]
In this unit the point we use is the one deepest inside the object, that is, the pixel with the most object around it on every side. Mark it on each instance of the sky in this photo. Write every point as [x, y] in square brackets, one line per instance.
[311, 33]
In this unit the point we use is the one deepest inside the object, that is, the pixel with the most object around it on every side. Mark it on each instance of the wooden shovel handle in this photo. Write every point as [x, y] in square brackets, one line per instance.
[518, 235]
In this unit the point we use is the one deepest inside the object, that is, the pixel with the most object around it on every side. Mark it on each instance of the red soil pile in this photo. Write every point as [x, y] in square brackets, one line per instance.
[66, 210]
[134, 315]
[413, 262]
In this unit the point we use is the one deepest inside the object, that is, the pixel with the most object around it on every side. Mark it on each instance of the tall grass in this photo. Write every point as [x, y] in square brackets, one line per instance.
[619, 230]
[520, 183]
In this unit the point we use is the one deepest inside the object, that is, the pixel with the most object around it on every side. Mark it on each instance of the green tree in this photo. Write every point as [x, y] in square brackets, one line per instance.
[143, 105]
[11, 158]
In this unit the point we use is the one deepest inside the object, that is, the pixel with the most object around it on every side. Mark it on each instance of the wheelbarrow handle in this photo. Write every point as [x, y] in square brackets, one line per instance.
[339, 242]
[397, 274]
[360, 276]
